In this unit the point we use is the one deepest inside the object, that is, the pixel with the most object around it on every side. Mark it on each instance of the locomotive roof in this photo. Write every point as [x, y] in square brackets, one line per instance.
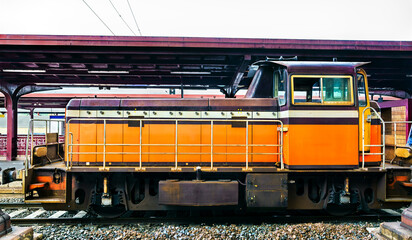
[313, 63]
[318, 63]
[315, 67]
[169, 104]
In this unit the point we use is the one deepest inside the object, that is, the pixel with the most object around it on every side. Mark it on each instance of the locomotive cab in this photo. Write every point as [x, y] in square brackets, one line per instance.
[321, 104]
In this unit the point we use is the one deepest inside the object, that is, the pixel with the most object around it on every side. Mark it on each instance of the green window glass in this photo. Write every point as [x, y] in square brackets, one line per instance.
[336, 90]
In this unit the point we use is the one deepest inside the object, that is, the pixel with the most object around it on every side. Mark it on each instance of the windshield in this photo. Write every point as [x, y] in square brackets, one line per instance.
[322, 90]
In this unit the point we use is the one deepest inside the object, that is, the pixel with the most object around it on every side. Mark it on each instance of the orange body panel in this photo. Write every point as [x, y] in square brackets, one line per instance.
[264, 134]
[114, 135]
[131, 135]
[205, 139]
[158, 134]
[219, 138]
[236, 136]
[321, 145]
[190, 134]
[161, 134]
[87, 135]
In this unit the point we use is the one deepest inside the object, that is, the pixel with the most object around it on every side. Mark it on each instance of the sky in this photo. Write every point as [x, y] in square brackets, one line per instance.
[293, 19]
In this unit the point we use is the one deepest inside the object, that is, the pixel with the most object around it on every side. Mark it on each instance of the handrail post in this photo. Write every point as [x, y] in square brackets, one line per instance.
[27, 148]
[70, 152]
[46, 133]
[71, 157]
[247, 144]
[363, 138]
[211, 144]
[282, 166]
[383, 144]
[176, 144]
[69, 160]
[67, 144]
[58, 139]
[394, 139]
[140, 145]
[104, 144]
[32, 144]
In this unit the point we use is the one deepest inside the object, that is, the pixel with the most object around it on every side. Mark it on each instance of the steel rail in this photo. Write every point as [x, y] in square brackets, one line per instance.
[20, 205]
[239, 219]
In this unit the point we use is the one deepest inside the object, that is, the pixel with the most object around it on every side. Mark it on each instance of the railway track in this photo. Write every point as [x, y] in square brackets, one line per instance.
[37, 215]
[31, 213]
[19, 205]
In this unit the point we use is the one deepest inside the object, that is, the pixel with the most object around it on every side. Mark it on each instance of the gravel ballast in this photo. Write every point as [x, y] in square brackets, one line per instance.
[356, 230]
[11, 200]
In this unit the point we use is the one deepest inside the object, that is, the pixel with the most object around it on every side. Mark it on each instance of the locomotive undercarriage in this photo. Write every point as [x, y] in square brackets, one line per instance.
[112, 193]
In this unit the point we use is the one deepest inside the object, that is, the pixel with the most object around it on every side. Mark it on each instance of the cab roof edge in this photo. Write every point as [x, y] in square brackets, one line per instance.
[314, 63]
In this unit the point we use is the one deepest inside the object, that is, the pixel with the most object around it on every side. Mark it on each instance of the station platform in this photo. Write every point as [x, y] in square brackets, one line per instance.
[7, 187]
[392, 231]
[19, 233]
[18, 163]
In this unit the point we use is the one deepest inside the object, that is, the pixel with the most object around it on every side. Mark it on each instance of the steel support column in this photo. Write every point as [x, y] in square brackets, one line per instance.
[12, 93]
[31, 113]
[231, 91]
[11, 107]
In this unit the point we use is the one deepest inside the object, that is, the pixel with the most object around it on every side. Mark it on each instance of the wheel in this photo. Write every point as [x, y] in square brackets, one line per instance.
[340, 210]
[109, 212]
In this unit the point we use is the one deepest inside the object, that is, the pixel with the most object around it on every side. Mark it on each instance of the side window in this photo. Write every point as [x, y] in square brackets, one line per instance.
[306, 90]
[336, 90]
[361, 91]
[327, 90]
[279, 87]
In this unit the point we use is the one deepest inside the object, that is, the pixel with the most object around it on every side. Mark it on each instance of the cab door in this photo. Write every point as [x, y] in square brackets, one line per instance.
[363, 99]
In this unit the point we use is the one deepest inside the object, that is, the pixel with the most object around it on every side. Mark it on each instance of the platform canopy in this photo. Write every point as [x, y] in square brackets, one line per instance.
[220, 63]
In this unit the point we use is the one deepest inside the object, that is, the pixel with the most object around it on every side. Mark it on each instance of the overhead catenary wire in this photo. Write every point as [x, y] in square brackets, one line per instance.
[99, 17]
[131, 10]
[122, 18]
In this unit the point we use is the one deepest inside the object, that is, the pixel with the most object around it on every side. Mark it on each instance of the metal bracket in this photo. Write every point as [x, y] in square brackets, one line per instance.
[105, 169]
[247, 169]
[285, 129]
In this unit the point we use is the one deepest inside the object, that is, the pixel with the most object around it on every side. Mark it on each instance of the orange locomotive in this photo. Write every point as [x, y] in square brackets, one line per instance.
[304, 137]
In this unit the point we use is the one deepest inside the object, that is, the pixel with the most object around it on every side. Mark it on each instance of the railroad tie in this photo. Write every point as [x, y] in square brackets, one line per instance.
[391, 212]
[17, 212]
[36, 214]
[57, 214]
[80, 214]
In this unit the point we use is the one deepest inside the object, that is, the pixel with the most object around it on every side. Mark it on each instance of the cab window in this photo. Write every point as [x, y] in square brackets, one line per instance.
[361, 91]
[322, 90]
[279, 87]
